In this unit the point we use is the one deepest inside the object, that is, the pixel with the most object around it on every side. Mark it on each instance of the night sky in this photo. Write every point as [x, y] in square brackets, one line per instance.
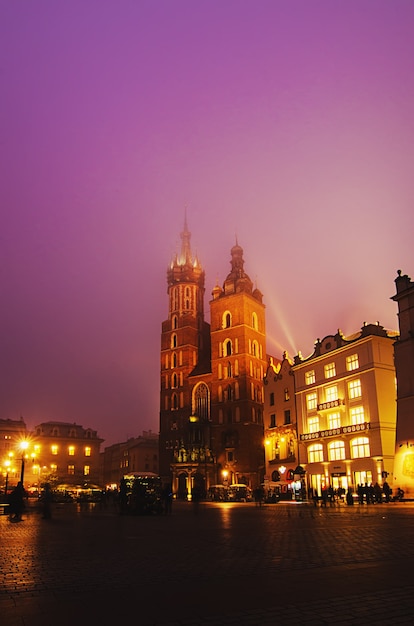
[289, 125]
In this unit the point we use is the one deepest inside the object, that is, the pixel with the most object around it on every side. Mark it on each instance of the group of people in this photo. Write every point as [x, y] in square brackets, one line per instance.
[366, 494]
[17, 499]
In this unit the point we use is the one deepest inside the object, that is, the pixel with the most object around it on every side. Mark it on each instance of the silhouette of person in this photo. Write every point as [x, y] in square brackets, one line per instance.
[47, 498]
[16, 502]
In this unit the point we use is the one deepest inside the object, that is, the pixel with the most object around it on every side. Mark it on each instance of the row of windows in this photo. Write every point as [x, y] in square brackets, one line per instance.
[272, 396]
[358, 447]
[229, 347]
[229, 416]
[55, 449]
[333, 420]
[286, 415]
[227, 320]
[177, 360]
[183, 298]
[71, 469]
[331, 394]
[351, 362]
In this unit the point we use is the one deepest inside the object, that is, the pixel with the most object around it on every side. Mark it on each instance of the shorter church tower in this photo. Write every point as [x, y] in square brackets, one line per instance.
[238, 365]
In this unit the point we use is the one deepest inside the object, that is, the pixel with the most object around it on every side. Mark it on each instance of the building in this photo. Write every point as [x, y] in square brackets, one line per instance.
[280, 430]
[346, 411]
[211, 400]
[404, 365]
[63, 454]
[136, 455]
[12, 434]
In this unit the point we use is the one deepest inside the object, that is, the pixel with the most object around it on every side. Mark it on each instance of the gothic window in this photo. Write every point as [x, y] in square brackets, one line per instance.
[187, 298]
[173, 340]
[174, 360]
[226, 323]
[254, 321]
[227, 348]
[201, 401]
[255, 348]
[175, 299]
[174, 322]
[229, 370]
[174, 402]
[174, 381]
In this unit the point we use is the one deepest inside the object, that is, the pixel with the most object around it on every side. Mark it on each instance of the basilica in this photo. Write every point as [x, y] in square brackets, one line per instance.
[212, 396]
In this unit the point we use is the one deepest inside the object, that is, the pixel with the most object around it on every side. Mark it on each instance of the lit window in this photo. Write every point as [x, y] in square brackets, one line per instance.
[53, 468]
[313, 424]
[311, 401]
[254, 321]
[334, 420]
[226, 320]
[71, 470]
[310, 377]
[360, 447]
[331, 393]
[87, 451]
[357, 415]
[336, 451]
[352, 362]
[315, 453]
[54, 449]
[354, 388]
[330, 370]
[86, 470]
[71, 450]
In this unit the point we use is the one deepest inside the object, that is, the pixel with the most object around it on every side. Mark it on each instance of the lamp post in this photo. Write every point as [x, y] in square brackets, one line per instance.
[23, 445]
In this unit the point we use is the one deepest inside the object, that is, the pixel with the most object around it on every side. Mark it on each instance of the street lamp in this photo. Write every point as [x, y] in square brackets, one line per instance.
[23, 446]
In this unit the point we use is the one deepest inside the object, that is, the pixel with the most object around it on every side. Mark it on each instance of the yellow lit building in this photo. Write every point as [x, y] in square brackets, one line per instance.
[64, 454]
[346, 409]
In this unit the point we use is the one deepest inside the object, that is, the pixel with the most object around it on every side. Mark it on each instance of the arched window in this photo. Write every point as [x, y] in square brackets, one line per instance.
[175, 299]
[227, 348]
[360, 447]
[255, 348]
[187, 298]
[174, 402]
[174, 381]
[201, 401]
[174, 322]
[254, 321]
[315, 453]
[336, 451]
[173, 340]
[226, 322]
[174, 360]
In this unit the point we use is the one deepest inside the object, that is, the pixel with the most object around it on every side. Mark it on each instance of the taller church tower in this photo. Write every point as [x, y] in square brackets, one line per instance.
[185, 343]
[238, 366]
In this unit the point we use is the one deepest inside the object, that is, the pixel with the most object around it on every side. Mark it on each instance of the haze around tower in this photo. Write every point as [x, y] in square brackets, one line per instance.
[285, 126]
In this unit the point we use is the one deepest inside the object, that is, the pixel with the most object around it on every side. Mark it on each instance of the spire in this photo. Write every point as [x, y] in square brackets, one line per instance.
[185, 255]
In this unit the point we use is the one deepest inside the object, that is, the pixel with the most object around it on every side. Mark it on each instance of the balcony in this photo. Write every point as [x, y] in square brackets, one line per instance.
[332, 404]
[334, 432]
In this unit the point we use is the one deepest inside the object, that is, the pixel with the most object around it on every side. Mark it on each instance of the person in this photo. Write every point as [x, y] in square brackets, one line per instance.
[47, 498]
[167, 497]
[349, 497]
[16, 503]
[387, 491]
[377, 493]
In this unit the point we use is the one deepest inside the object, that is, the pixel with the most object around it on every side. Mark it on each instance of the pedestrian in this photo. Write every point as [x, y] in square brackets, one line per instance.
[378, 493]
[47, 498]
[387, 491]
[16, 503]
[349, 497]
[167, 497]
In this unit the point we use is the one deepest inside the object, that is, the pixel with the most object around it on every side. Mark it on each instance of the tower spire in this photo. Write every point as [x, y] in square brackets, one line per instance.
[185, 256]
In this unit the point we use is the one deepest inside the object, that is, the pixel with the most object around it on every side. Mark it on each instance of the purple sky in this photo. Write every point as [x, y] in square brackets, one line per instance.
[287, 124]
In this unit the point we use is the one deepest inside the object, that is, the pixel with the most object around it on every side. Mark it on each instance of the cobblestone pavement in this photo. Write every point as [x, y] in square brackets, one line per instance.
[286, 563]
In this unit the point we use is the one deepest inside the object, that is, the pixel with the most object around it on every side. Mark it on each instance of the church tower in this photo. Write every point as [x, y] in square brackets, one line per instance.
[184, 345]
[238, 366]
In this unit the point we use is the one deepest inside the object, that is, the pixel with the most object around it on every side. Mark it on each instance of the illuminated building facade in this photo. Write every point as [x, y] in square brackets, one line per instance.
[138, 454]
[63, 454]
[211, 401]
[280, 429]
[404, 364]
[346, 410]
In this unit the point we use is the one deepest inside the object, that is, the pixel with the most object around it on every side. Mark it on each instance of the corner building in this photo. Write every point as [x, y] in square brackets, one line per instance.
[211, 414]
[346, 410]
